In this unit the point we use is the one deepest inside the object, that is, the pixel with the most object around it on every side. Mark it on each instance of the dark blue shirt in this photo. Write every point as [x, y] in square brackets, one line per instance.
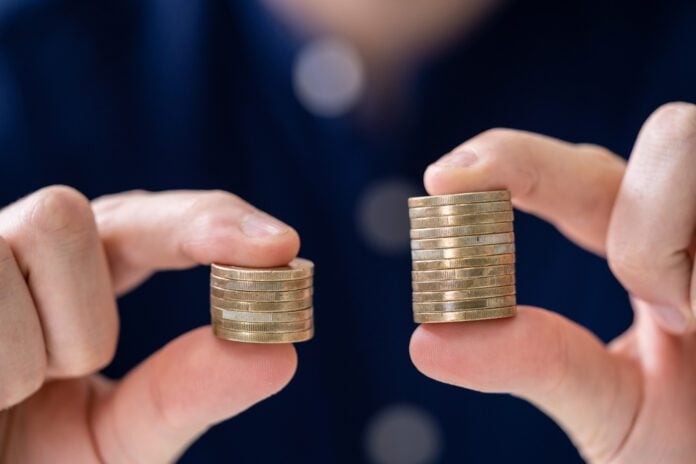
[161, 94]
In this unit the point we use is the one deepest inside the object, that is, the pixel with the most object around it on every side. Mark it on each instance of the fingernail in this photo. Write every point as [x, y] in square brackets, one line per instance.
[258, 225]
[671, 318]
[458, 159]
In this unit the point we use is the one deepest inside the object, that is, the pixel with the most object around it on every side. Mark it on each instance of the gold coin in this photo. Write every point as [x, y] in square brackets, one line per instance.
[480, 282]
[455, 295]
[298, 268]
[248, 316]
[266, 327]
[447, 221]
[476, 229]
[252, 286]
[453, 253]
[262, 337]
[260, 306]
[479, 261]
[459, 198]
[462, 316]
[462, 305]
[458, 210]
[458, 242]
[261, 296]
[465, 273]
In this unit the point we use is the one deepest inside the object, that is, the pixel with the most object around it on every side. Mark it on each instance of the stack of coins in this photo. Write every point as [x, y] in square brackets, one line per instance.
[463, 255]
[269, 305]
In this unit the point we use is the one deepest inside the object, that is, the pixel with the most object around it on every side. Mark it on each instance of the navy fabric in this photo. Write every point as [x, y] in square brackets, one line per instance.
[162, 94]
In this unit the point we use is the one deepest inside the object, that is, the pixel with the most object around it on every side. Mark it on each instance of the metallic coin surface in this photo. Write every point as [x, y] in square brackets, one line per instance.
[459, 198]
[462, 316]
[462, 305]
[439, 264]
[298, 268]
[262, 286]
[291, 295]
[458, 242]
[456, 231]
[261, 337]
[464, 273]
[463, 284]
[266, 327]
[458, 210]
[248, 316]
[448, 221]
[464, 252]
[260, 306]
[455, 295]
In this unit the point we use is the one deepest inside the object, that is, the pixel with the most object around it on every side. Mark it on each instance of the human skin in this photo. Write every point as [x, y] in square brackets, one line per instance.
[634, 400]
[63, 261]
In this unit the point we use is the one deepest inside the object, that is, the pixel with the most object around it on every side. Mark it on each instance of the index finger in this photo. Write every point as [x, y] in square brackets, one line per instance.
[144, 232]
[571, 186]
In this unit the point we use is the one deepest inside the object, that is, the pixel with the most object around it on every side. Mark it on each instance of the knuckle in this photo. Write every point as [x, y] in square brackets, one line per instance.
[675, 120]
[212, 209]
[60, 209]
[220, 197]
[494, 147]
[628, 262]
[213, 220]
[598, 152]
[88, 354]
[493, 143]
[20, 387]
[82, 362]
[498, 134]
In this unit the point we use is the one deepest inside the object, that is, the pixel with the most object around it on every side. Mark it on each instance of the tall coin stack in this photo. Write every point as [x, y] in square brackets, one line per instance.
[263, 305]
[463, 257]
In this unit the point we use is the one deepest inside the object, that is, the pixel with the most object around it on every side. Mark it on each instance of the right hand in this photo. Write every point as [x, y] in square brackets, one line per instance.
[633, 400]
[63, 260]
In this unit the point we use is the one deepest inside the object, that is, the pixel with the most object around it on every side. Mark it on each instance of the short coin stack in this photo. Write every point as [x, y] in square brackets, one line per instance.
[463, 256]
[263, 305]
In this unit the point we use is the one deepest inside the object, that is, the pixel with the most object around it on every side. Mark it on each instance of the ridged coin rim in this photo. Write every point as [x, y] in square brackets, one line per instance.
[477, 261]
[459, 198]
[463, 241]
[455, 295]
[462, 273]
[298, 268]
[465, 316]
[463, 252]
[464, 284]
[269, 297]
[465, 305]
[261, 306]
[459, 231]
[459, 210]
[249, 316]
[463, 220]
[261, 286]
[264, 338]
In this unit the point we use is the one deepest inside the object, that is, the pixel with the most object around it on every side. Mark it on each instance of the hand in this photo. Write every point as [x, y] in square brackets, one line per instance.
[62, 261]
[633, 401]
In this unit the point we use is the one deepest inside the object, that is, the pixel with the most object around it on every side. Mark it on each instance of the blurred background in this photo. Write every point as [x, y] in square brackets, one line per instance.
[325, 113]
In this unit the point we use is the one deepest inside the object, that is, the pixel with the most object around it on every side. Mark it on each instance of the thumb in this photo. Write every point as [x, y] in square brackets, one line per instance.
[179, 392]
[546, 359]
